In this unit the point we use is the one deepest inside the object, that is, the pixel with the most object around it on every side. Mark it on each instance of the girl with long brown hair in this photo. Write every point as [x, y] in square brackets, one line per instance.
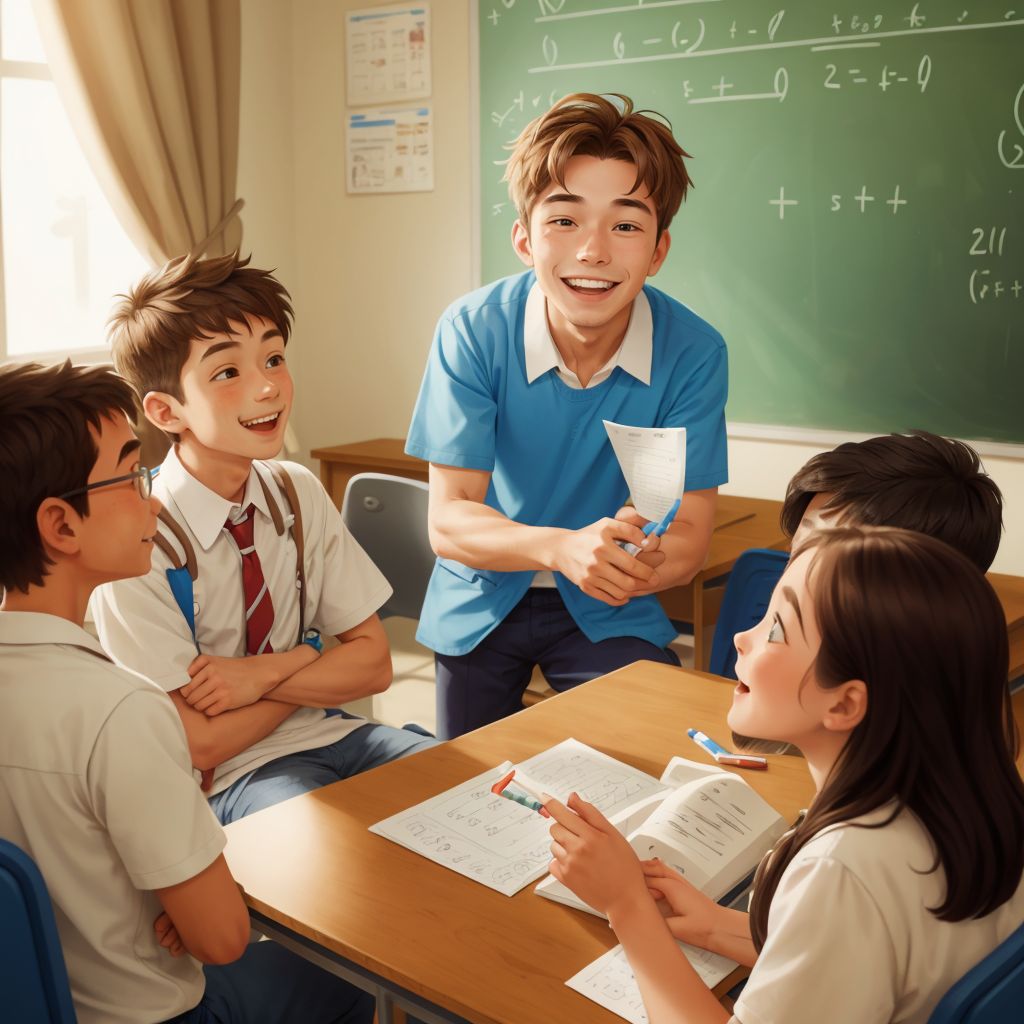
[883, 658]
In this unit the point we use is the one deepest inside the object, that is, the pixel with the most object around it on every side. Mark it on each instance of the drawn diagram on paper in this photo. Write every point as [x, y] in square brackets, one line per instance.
[609, 980]
[502, 844]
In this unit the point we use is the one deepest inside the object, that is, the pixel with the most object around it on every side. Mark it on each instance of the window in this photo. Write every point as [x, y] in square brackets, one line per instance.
[64, 255]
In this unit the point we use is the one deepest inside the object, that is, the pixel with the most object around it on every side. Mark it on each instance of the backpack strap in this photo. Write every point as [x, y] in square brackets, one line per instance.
[182, 575]
[291, 497]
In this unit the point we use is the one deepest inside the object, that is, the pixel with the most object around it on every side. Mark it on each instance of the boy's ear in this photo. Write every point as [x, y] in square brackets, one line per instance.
[57, 523]
[164, 411]
[660, 252]
[521, 243]
[848, 704]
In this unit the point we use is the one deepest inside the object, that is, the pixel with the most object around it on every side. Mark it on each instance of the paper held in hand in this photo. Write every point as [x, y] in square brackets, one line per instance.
[653, 461]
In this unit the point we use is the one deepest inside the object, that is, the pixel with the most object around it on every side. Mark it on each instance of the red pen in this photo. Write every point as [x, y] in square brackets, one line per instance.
[743, 761]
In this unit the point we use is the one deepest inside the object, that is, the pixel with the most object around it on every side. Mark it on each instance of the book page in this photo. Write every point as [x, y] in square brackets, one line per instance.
[609, 981]
[502, 844]
[653, 461]
[713, 830]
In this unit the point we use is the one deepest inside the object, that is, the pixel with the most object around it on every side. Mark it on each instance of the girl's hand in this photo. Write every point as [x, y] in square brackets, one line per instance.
[691, 914]
[592, 858]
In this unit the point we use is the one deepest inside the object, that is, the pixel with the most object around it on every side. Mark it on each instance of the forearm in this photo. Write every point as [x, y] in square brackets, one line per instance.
[212, 741]
[481, 537]
[672, 991]
[686, 550]
[354, 669]
[729, 936]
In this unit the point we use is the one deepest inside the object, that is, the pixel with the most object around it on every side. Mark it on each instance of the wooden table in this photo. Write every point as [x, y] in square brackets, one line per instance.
[445, 947]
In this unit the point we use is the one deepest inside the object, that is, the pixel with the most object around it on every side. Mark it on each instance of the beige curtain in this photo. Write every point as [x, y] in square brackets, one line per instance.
[152, 89]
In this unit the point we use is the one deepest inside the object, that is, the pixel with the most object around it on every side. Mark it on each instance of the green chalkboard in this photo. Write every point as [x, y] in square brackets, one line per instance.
[857, 227]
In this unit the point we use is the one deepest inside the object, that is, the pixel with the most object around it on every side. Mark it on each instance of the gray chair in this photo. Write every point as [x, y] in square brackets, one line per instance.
[388, 516]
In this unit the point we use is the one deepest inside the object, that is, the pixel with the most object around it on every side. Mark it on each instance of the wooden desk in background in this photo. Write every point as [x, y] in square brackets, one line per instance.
[316, 879]
[740, 523]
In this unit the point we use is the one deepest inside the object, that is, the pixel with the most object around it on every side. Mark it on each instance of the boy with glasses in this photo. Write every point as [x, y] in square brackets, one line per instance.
[96, 782]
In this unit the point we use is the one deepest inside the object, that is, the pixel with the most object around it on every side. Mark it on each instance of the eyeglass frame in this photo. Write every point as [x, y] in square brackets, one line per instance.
[143, 475]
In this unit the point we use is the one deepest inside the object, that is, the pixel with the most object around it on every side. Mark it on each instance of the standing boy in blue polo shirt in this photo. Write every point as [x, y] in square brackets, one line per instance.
[526, 495]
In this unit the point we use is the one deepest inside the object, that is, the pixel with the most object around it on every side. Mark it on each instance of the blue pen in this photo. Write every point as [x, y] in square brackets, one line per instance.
[706, 743]
[657, 529]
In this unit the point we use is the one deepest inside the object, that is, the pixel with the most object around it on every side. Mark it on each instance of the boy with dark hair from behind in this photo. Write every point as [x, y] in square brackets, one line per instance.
[269, 565]
[917, 481]
[96, 783]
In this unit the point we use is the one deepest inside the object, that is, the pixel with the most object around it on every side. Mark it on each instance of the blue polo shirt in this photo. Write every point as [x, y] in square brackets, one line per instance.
[547, 450]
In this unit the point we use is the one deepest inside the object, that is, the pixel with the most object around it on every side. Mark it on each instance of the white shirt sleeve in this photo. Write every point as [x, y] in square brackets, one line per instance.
[828, 956]
[141, 788]
[344, 586]
[141, 627]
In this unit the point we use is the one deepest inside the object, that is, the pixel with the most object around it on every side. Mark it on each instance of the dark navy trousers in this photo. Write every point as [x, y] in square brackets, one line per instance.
[488, 683]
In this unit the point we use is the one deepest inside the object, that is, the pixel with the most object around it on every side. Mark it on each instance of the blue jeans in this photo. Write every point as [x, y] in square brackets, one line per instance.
[272, 985]
[367, 747]
[488, 683]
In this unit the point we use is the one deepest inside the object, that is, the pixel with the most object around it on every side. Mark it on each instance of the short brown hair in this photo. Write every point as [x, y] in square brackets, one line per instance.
[584, 124]
[46, 450]
[917, 481]
[152, 327]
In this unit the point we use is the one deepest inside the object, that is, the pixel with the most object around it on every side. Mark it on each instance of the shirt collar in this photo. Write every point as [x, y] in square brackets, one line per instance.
[27, 628]
[203, 510]
[633, 355]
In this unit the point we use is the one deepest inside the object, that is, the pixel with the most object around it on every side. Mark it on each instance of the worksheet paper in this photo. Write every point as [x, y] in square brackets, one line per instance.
[609, 980]
[653, 461]
[502, 844]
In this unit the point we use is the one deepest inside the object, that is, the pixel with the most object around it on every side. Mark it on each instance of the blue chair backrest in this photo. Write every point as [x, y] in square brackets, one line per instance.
[388, 516]
[33, 979]
[992, 990]
[747, 595]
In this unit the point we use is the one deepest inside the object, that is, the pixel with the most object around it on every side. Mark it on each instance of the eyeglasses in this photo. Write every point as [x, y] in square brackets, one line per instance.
[143, 478]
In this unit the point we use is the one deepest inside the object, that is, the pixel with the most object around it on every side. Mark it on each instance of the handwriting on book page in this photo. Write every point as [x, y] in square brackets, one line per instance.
[712, 824]
[502, 844]
[609, 981]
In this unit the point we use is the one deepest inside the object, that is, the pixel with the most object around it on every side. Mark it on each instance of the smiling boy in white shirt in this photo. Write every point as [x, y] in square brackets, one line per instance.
[203, 342]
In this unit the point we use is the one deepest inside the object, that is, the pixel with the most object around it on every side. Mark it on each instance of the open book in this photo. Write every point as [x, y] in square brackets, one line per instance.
[710, 826]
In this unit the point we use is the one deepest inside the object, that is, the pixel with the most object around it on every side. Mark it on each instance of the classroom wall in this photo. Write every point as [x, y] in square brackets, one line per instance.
[370, 274]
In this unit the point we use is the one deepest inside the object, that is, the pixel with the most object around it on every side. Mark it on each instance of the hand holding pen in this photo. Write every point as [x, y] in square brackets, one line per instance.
[654, 529]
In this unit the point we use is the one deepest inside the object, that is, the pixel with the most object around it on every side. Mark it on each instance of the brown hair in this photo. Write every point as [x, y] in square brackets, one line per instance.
[937, 695]
[46, 450]
[917, 481]
[152, 327]
[584, 124]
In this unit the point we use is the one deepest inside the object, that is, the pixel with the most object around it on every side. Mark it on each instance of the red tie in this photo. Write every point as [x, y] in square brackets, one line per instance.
[259, 610]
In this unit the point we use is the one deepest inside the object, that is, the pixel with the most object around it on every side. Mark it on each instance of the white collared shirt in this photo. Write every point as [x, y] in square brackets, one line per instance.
[633, 356]
[143, 629]
[96, 786]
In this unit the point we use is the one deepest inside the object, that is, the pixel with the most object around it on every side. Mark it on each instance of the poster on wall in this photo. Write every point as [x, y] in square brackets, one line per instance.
[390, 151]
[387, 54]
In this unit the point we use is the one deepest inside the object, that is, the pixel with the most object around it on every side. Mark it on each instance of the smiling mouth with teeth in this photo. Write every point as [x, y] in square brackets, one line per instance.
[589, 285]
[262, 424]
